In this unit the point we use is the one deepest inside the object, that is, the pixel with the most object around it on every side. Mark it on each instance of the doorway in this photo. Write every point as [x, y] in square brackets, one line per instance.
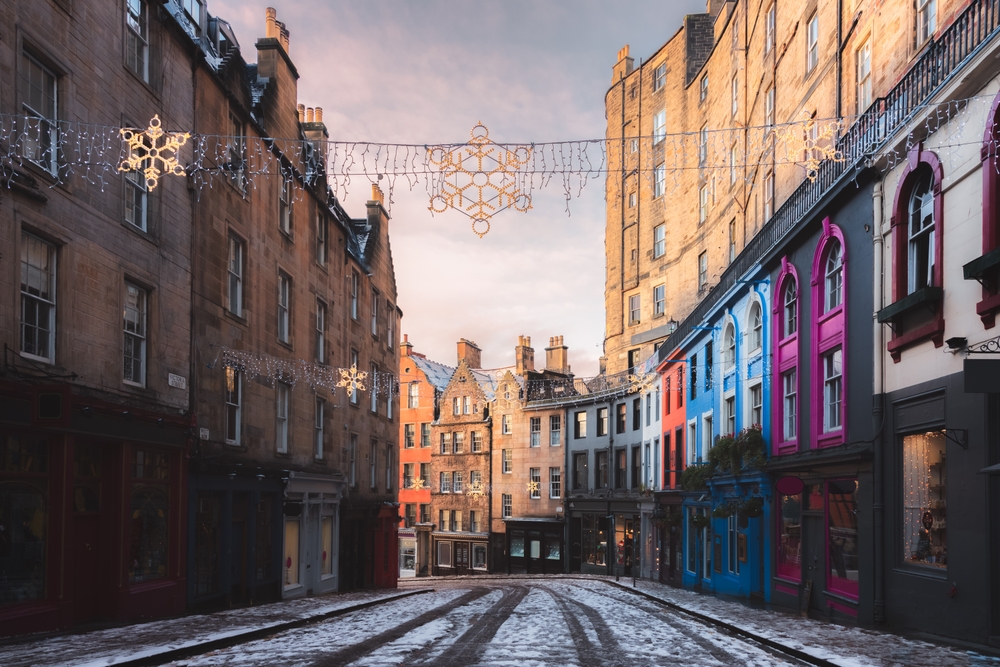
[813, 563]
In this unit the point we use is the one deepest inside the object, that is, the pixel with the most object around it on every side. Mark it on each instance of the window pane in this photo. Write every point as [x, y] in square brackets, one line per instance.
[843, 536]
[925, 500]
[790, 541]
[148, 550]
[23, 549]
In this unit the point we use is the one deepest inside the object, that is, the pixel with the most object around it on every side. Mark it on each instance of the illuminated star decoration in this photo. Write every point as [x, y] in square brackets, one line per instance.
[478, 178]
[418, 484]
[148, 155]
[532, 487]
[476, 489]
[352, 378]
[641, 383]
[805, 137]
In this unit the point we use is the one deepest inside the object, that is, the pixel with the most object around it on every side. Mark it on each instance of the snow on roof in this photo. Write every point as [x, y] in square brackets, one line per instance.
[437, 374]
[489, 379]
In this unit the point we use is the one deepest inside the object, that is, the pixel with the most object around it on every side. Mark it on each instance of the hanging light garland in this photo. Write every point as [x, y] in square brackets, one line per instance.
[479, 177]
[293, 371]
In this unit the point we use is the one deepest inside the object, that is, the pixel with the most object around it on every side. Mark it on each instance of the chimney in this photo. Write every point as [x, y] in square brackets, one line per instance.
[557, 356]
[313, 127]
[309, 114]
[524, 356]
[406, 347]
[275, 29]
[624, 65]
[302, 113]
[470, 352]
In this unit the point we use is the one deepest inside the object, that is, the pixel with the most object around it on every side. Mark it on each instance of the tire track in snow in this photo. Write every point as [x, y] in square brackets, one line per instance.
[588, 653]
[469, 647]
[357, 651]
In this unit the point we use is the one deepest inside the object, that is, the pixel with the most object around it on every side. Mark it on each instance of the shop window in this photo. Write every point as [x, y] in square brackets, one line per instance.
[262, 541]
[444, 554]
[925, 500]
[842, 536]
[207, 544]
[478, 556]
[148, 552]
[326, 556]
[789, 564]
[595, 539]
[291, 564]
[23, 519]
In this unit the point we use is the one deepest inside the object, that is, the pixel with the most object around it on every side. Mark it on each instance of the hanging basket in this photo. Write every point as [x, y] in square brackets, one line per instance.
[724, 511]
[752, 508]
[700, 521]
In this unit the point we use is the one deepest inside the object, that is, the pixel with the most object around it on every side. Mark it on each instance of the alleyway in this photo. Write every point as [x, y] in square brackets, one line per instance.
[492, 621]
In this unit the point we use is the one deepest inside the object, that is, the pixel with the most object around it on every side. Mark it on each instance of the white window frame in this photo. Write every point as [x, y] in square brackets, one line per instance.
[534, 431]
[413, 400]
[755, 404]
[790, 308]
[354, 294]
[863, 75]
[505, 426]
[353, 391]
[555, 430]
[702, 269]
[728, 347]
[318, 428]
[733, 162]
[703, 204]
[769, 29]
[285, 194]
[40, 141]
[926, 20]
[707, 434]
[535, 475]
[373, 388]
[659, 241]
[659, 299]
[634, 309]
[736, 95]
[457, 442]
[659, 77]
[790, 407]
[506, 461]
[833, 277]
[833, 390]
[769, 107]
[282, 402]
[506, 506]
[233, 397]
[477, 442]
[137, 38]
[135, 318]
[234, 293]
[812, 42]
[755, 327]
[703, 145]
[374, 322]
[136, 201]
[659, 180]
[32, 293]
[691, 451]
[659, 126]
[920, 229]
[284, 308]
[703, 88]
[555, 482]
[320, 331]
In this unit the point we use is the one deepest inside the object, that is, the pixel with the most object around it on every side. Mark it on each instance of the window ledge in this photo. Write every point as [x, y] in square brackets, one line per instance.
[977, 268]
[927, 296]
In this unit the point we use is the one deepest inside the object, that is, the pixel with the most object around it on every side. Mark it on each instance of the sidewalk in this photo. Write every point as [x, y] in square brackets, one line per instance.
[160, 641]
[841, 645]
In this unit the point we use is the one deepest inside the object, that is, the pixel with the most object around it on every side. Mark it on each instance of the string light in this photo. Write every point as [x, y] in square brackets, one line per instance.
[510, 173]
[352, 379]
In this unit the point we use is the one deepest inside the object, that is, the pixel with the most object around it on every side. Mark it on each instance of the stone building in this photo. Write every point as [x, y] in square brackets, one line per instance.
[421, 381]
[293, 484]
[696, 131]
[95, 283]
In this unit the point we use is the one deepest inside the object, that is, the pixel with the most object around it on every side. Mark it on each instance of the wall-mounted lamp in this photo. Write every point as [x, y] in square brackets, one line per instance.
[956, 343]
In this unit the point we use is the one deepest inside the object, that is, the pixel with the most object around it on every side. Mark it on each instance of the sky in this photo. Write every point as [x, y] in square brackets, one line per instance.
[425, 72]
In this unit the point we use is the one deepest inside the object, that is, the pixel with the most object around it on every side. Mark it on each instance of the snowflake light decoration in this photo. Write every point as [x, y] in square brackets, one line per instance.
[476, 489]
[640, 384]
[418, 484]
[533, 487]
[805, 137]
[352, 379]
[479, 178]
[148, 155]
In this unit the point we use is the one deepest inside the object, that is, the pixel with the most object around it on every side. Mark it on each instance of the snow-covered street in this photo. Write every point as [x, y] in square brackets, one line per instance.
[492, 621]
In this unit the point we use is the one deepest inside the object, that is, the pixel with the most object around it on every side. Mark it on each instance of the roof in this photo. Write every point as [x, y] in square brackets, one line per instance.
[437, 374]
[489, 379]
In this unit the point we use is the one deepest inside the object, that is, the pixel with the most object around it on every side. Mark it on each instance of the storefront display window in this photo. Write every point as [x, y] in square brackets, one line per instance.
[326, 548]
[262, 539]
[517, 544]
[23, 520]
[814, 497]
[444, 554]
[842, 536]
[407, 557]
[478, 556]
[925, 500]
[148, 553]
[595, 539]
[291, 578]
[552, 550]
[790, 538]
[207, 544]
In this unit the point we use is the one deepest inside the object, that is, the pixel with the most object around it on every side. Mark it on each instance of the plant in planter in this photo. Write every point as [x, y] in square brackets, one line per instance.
[700, 521]
[752, 508]
[695, 477]
[734, 453]
[724, 511]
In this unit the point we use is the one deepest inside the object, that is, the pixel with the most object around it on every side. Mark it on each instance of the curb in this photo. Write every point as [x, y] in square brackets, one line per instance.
[770, 643]
[170, 655]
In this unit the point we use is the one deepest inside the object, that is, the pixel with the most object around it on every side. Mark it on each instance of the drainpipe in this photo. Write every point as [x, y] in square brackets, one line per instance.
[878, 505]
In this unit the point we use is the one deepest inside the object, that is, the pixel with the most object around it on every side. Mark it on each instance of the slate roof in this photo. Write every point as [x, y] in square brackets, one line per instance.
[437, 374]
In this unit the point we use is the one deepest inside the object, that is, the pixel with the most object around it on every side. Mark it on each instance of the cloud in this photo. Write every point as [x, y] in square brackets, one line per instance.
[425, 72]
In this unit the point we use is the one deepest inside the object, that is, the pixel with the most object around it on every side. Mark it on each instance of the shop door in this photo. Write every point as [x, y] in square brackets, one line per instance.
[86, 567]
[238, 548]
[813, 564]
[309, 543]
[461, 557]
[536, 564]
[575, 544]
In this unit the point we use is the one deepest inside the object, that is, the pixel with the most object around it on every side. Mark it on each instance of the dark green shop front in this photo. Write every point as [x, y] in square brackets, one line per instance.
[534, 546]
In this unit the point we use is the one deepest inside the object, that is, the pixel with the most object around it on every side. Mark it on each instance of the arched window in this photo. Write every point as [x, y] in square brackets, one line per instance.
[790, 300]
[828, 355]
[986, 268]
[921, 233]
[756, 327]
[834, 277]
[729, 348]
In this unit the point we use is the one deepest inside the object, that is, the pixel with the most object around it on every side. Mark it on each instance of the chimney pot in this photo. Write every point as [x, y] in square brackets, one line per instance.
[319, 114]
[302, 113]
[270, 27]
[309, 114]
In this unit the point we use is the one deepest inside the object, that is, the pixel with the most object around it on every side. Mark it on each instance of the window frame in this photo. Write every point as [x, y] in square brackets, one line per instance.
[137, 30]
[659, 299]
[50, 302]
[785, 354]
[234, 303]
[634, 309]
[47, 136]
[320, 331]
[284, 308]
[135, 334]
[319, 430]
[659, 126]
[926, 21]
[555, 430]
[282, 404]
[833, 325]
[659, 180]
[863, 76]
[659, 241]
[659, 76]
[812, 43]
[234, 407]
